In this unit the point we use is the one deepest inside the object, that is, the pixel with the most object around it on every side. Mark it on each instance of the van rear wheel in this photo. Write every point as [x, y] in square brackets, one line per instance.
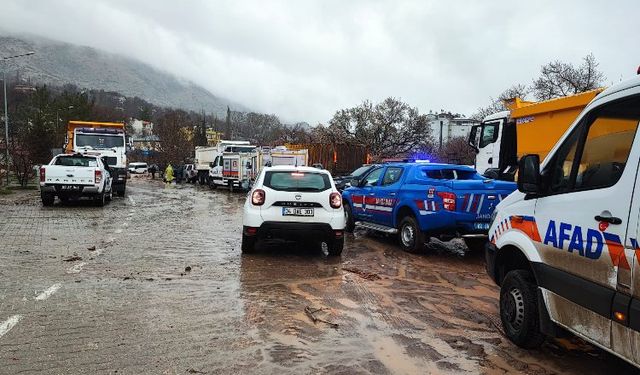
[519, 309]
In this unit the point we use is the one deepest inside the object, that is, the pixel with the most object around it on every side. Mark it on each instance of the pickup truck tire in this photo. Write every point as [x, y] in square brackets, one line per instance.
[99, 200]
[519, 309]
[121, 192]
[47, 199]
[349, 220]
[410, 236]
[475, 245]
[334, 248]
[248, 244]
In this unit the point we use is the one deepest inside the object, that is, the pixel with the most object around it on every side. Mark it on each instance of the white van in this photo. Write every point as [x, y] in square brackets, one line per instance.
[137, 167]
[564, 248]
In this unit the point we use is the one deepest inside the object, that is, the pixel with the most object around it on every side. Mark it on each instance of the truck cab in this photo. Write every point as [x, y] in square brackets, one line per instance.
[106, 139]
[525, 128]
[564, 249]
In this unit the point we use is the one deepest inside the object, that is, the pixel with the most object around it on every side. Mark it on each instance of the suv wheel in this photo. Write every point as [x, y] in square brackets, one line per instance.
[410, 236]
[519, 309]
[248, 243]
[47, 199]
[334, 247]
[349, 220]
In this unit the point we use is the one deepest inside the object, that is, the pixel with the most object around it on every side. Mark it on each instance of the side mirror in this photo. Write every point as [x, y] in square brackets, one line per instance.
[347, 185]
[472, 138]
[529, 174]
[211, 165]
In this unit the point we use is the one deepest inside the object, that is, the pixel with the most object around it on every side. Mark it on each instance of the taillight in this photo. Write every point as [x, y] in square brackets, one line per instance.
[448, 200]
[257, 198]
[42, 174]
[335, 200]
[98, 176]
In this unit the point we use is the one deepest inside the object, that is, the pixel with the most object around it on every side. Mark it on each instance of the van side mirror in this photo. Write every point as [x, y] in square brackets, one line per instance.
[529, 174]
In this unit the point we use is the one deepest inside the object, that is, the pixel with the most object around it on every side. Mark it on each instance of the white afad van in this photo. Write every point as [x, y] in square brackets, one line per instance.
[564, 248]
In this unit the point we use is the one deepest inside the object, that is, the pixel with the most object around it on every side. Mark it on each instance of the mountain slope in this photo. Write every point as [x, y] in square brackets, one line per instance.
[59, 63]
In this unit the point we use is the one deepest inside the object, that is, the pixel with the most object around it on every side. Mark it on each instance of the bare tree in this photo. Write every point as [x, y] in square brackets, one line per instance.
[175, 131]
[497, 105]
[558, 78]
[456, 151]
[388, 129]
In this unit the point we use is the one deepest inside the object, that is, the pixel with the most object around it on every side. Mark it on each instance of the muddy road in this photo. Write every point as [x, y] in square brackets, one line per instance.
[155, 284]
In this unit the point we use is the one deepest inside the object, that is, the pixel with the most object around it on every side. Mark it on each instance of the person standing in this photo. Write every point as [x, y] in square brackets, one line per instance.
[168, 174]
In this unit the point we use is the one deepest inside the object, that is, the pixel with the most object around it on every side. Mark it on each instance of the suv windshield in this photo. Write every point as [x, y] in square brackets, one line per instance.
[297, 181]
[76, 161]
[360, 171]
[99, 140]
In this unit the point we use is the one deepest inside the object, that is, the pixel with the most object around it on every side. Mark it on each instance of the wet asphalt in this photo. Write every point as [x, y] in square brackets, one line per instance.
[155, 283]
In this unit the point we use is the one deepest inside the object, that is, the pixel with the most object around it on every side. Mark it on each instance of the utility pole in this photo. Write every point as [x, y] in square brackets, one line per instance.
[6, 106]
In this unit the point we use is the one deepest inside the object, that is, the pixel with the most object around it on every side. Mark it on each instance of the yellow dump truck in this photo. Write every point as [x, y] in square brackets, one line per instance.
[525, 128]
[106, 139]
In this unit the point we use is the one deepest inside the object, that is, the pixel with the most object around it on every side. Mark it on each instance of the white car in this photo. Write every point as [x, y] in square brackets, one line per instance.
[137, 167]
[294, 203]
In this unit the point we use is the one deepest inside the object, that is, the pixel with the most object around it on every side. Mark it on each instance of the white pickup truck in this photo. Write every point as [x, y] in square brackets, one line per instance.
[73, 176]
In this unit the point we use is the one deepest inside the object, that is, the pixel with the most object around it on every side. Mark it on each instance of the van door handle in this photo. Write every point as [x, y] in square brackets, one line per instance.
[609, 219]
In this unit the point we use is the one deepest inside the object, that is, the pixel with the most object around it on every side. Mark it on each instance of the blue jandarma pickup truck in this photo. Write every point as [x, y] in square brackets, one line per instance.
[420, 200]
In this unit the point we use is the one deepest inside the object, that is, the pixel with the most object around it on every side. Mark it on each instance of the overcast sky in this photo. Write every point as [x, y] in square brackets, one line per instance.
[303, 60]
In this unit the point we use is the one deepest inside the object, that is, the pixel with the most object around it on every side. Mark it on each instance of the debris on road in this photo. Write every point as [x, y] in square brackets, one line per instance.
[364, 274]
[128, 278]
[92, 248]
[73, 258]
[187, 269]
[311, 314]
[194, 371]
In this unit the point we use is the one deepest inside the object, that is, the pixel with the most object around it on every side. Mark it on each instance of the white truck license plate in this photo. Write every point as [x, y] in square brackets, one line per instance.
[290, 211]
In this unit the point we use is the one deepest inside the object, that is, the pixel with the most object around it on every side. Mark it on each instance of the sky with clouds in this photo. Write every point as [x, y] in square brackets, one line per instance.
[303, 60]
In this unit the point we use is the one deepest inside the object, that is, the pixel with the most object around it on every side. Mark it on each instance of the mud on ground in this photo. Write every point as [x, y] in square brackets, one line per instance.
[157, 284]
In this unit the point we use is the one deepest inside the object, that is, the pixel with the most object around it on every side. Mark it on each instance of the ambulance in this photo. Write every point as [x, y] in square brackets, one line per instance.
[564, 248]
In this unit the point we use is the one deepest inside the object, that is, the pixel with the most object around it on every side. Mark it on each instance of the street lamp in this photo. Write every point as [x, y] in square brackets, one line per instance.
[6, 111]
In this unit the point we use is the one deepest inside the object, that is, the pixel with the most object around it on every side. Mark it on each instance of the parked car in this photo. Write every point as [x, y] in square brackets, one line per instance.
[137, 167]
[190, 173]
[420, 200]
[75, 176]
[342, 182]
[299, 203]
[564, 249]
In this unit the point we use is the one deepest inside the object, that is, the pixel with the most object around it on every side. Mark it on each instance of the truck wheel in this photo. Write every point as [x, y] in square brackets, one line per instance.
[121, 192]
[99, 200]
[475, 245]
[519, 309]
[348, 217]
[334, 247]
[410, 236]
[248, 244]
[47, 199]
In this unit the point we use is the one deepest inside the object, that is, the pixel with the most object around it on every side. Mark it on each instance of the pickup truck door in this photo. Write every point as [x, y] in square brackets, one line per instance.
[385, 195]
[582, 218]
[362, 197]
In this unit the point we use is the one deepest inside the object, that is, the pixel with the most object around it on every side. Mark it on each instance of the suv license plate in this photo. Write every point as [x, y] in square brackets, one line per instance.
[290, 211]
[481, 226]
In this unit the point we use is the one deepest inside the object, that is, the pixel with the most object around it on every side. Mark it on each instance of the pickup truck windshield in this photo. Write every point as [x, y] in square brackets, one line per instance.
[99, 140]
[76, 161]
[297, 181]
[358, 172]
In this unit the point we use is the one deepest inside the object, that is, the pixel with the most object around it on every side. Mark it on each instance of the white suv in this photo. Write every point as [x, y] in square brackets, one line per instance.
[294, 203]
